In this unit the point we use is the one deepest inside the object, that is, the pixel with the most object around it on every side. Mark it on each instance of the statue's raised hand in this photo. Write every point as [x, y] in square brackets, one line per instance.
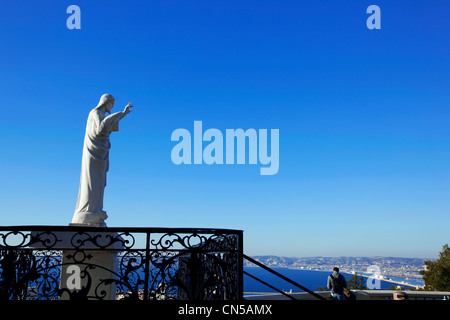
[127, 109]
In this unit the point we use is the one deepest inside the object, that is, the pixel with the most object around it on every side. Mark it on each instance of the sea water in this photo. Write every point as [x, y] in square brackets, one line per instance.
[309, 279]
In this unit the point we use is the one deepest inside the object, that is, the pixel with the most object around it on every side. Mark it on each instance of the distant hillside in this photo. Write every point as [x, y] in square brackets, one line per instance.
[345, 263]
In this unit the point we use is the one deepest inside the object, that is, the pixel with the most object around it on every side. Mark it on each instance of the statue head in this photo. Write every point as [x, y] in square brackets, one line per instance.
[107, 102]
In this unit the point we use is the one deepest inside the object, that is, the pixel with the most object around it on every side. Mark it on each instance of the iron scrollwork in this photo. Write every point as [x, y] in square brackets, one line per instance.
[147, 263]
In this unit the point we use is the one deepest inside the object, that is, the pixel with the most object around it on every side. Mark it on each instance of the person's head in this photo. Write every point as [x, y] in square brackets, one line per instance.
[106, 102]
[336, 269]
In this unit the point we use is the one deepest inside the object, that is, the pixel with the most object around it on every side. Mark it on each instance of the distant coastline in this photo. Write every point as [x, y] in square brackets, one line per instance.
[400, 283]
[395, 270]
[311, 279]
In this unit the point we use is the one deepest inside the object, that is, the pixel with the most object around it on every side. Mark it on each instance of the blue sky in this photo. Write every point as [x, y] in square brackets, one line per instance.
[363, 117]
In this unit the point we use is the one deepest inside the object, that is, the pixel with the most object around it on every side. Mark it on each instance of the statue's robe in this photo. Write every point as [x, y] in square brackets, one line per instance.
[94, 166]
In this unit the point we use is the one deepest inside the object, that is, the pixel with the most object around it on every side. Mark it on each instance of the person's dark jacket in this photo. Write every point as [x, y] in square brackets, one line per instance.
[336, 282]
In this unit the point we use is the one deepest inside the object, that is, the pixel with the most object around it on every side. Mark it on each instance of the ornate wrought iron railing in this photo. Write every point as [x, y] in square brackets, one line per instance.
[74, 262]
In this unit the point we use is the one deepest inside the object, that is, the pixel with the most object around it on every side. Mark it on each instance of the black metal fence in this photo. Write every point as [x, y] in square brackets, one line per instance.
[77, 263]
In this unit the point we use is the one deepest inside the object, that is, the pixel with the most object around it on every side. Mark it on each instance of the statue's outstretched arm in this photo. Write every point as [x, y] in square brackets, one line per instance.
[111, 122]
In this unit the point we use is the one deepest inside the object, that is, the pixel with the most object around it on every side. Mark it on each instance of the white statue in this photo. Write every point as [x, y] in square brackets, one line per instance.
[95, 162]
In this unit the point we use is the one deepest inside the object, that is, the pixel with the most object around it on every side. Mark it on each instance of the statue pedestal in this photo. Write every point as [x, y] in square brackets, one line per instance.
[89, 274]
[89, 261]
